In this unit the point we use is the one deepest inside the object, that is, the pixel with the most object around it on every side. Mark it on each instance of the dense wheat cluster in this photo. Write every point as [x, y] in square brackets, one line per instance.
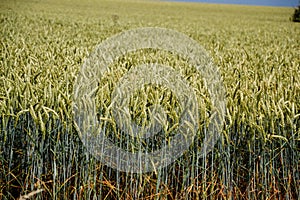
[43, 46]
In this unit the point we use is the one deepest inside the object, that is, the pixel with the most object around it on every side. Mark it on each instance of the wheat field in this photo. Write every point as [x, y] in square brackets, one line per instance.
[44, 44]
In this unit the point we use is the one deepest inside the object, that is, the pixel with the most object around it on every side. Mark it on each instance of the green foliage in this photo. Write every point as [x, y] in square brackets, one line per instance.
[296, 15]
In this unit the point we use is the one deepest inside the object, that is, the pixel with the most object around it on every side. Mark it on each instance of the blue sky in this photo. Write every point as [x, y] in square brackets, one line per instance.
[285, 3]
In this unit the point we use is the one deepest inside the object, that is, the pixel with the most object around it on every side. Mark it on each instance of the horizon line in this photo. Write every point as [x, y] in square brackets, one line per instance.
[234, 3]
